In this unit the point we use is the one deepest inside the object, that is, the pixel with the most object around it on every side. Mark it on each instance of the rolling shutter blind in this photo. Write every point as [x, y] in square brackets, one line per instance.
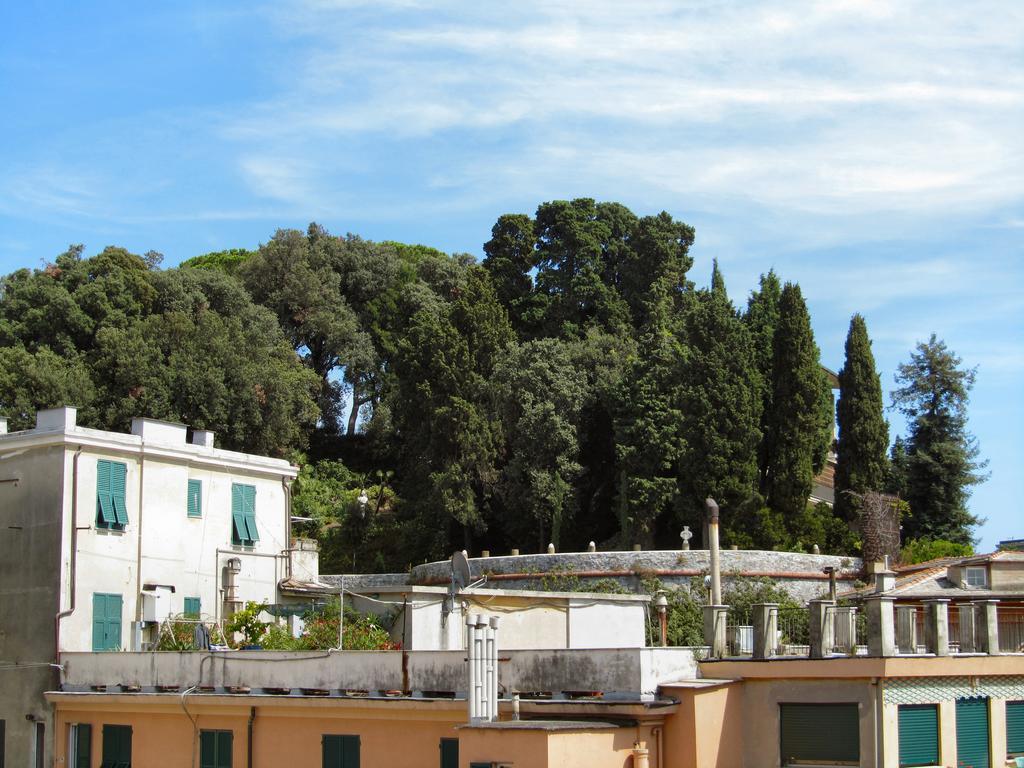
[83, 745]
[340, 751]
[1015, 727]
[195, 498]
[919, 735]
[449, 753]
[972, 733]
[819, 733]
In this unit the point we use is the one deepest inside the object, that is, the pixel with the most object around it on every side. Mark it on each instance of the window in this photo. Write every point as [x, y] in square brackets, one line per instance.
[975, 576]
[106, 622]
[972, 733]
[243, 515]
[340, 751]
[81, 746]
[111, 512]
[449, 753]
[215, 749]
[117, 746]
[40, 747]
[819, 733]
[1015, 727]
[195, 498]
[193, 607]
[919, 734]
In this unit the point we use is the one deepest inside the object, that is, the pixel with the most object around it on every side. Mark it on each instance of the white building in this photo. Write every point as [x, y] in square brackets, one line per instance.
[103, 535]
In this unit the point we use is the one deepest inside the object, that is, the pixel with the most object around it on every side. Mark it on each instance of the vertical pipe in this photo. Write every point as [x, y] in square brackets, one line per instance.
[471, 691]
[494, 620]
[478, 658]
[716, 568]
[488, 677]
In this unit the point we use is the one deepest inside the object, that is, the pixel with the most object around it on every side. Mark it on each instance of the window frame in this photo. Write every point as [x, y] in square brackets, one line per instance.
[970, 570]
[243, 515]
[219, 736]
[79, 754]
[117, 733]
[345, 743]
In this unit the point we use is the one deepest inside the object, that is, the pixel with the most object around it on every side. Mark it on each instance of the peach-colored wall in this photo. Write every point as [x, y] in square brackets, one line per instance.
[601, 749]
[398, 736]
[526, 749]
[707, 729]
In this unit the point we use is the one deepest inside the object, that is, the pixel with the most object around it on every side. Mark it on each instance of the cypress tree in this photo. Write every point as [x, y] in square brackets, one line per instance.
[762, 317]
[794, 445]
[863, 432]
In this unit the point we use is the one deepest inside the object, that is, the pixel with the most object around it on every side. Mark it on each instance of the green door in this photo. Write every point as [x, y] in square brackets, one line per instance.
[919, 734]
[106, 622]
[972, 733]
[819, 733]
[449, 753]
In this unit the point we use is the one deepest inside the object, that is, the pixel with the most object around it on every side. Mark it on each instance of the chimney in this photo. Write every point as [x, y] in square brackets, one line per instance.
[156, 431]
[56, 419]
[202, 438]
[885, 580]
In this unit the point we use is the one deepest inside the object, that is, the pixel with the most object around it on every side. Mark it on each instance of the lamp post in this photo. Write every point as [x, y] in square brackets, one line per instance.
[661, 603]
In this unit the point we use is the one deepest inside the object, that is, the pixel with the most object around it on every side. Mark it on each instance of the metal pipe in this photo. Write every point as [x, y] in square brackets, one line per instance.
[287, 486]
[716, 568]
[494, 621]
[488, 678]
[138, 552]
[72, 558]
[248, 749]
[478, 657]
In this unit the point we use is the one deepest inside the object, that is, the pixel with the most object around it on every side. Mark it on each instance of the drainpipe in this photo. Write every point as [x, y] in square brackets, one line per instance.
[287, 486]
[72, 558]
[138, 556]
[248, 750]
[658, 731]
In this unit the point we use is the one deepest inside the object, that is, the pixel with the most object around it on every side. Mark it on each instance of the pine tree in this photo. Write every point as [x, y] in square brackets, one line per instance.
[941, 461]
[794, 445]
[863, 432]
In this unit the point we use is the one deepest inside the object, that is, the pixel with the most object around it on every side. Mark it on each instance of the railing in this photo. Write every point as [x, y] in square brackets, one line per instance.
[1011, 629]
[739, 632]
[794, 632]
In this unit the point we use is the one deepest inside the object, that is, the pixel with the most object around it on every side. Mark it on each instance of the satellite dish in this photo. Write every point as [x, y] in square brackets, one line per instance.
[461, 575]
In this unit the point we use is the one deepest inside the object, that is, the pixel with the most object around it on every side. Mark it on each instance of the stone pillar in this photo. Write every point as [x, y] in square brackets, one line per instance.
[968, 615]
[766, 629]
[881, 629]
[714, 629]
[846, 630]
[936, 626]
[906, 628]
[822, 627]
[987, 626]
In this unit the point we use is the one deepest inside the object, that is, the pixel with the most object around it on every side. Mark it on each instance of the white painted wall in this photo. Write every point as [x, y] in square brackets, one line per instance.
[606, 625]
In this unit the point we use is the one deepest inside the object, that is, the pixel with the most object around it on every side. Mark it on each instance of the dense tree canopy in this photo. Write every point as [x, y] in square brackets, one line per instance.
[574, 386]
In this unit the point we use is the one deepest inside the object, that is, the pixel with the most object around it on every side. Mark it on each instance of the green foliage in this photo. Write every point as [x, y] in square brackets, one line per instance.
[361, 632]
[247, 622]
[178, 634]
[863, 432]
[227, 261]
[921, 550]
[941, 462]
[800, 424]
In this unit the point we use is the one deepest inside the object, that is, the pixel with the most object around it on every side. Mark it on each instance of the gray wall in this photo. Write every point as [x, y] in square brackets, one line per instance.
[30, 574]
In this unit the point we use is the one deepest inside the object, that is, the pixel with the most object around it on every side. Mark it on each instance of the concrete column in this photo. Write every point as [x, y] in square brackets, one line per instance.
[822, 628]
[987, 626]
[936, 626]
[714, 629]
[968, 613]
[766, 629]
[881, 629]
[846, 630]
[906, 628]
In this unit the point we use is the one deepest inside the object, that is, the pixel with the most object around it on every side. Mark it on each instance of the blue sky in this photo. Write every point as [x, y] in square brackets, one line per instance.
[871, 151]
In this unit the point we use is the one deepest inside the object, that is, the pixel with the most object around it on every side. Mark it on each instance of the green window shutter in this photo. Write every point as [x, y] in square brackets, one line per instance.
[340, 751]
[919, 734]
[972, 733]
[819, 733]
[117, 746]
[83, 745]
[193, 607]
[104, 500]
[449, 753]
[250, 512]
[350, 751]
[118, 474]
[215, 749]
[106, 622]
[238, 530]
[195, 498]
[1015, 727]
[331, 748]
